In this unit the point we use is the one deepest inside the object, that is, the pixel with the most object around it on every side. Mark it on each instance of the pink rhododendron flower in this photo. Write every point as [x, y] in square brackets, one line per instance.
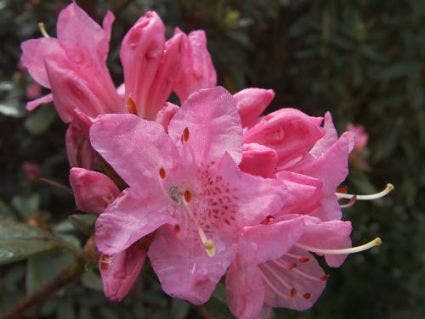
[274, 267]
[93, 192]
[187, 185]
[73, 66]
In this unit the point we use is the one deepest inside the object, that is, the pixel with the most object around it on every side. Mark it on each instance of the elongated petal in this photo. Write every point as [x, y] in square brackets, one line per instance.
[32, 105]
[251, 103]
[165, 114]
[130, 217]
[93, 191]
[270, 241]
[184, 268]
[197, 71]
[165, 77]
[330, 137]
[302, 194]
[331, 167]
[259, 160]
[141, 53]
[211, 117]
[244, 290]
[290, 132]
[291, 284]
[71, 91]
[120, 271]
[136, 149]
[328, 235]
[86, 45]
[329, 209]
[255, 197]
[34, 54]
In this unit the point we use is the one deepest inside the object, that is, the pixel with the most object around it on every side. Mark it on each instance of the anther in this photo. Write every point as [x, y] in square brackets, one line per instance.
[268, 220]
[105, 262]
[293, 292]
[42, 29]
[185, 135]
[381, 194]
[325, 277]
[307, 295]
[162, 173]
[344, 251]
[131, 106]
[187, 196]
[209, 247]
[303, 259]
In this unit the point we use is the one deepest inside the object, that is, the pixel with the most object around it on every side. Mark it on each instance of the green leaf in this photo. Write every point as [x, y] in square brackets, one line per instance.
[19, 241]
[83, 222]
[179, 309]
[26, 206]
[39, 121]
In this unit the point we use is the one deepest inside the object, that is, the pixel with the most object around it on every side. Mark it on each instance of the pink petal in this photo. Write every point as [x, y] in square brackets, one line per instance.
[86, 45]
[270, 241]
[78, 148]
[120, 271]
[130, 217]
[213, 123]
[136, 149]
[165, 114]
[282, 130]
[259, 160]
[331, 167]
[292, 284]
[184, 268]
[36, 51]
[255, 196]
[71, 91]
[302, 194]
[328, 139]
[32, 105]
[328, 235]
[141, 54]
[165, 77]
[244, 290]
[93, 191]
[251, 103]
[329, 209]
[197, 71]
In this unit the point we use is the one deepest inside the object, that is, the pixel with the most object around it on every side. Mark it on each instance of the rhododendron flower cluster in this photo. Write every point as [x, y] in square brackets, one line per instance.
[208, 190]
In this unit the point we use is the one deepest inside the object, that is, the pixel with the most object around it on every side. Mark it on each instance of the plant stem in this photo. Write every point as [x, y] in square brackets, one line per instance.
[65, 277]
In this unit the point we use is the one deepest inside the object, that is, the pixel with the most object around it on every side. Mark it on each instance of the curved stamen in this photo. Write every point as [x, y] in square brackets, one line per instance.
[275, 290]
[42, 29]
[209, 245]
[381, 194]
[276, 275]
[350, 202]
[344, 251]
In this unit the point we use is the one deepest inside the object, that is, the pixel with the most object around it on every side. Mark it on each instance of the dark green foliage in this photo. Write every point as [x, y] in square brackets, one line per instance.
[361, 60]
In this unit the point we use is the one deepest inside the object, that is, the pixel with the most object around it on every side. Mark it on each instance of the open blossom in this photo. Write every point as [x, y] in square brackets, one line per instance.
[185, 184]
[274, 268]
[73, 66]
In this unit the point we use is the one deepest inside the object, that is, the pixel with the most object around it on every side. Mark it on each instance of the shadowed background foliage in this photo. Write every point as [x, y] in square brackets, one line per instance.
[361, 60]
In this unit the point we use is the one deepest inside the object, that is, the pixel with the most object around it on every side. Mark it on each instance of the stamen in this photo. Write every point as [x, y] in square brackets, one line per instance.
[350, 202]
[208, 244]
[376, 242]
[185, 135]
[162, 173]
[274, 274]
[307, 295]
[301, 259]
[131, 106]
[42, 29]
[275, 290]
[381, 194]
[305, 275]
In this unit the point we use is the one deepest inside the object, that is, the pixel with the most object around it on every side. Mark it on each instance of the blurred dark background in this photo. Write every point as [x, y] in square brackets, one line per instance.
[361, 60]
